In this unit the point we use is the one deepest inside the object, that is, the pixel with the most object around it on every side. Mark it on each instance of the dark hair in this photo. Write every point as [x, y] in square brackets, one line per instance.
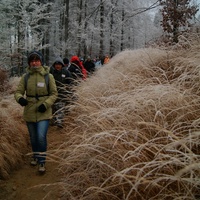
[34, 57]
[66, 61]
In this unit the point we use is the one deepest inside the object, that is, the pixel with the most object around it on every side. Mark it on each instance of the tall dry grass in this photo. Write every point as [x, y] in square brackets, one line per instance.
[133, 132]
[3, 80]
[13, 133]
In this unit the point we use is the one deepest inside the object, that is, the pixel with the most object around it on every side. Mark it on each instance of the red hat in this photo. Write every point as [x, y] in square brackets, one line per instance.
[74, 59]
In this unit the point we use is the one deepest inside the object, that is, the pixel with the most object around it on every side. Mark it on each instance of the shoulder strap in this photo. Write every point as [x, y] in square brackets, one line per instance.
[26, 77]
[46, 77]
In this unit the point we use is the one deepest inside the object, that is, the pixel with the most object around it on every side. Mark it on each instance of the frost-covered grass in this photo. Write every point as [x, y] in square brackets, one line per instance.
[13, 135]
[134, 130]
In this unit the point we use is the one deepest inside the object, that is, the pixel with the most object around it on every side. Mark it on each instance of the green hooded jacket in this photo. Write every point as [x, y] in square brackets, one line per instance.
[36, 86]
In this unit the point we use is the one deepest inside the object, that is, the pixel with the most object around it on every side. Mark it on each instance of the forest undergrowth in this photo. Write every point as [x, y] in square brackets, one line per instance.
[133, 132]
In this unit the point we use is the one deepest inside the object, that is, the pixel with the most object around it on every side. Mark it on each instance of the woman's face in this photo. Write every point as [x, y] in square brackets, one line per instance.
[35, 63]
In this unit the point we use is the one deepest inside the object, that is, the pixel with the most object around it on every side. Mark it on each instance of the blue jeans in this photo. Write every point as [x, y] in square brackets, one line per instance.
[38, 137]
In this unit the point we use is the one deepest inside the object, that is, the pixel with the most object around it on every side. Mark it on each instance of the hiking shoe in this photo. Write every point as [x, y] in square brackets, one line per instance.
[33, 161]
[41, 168]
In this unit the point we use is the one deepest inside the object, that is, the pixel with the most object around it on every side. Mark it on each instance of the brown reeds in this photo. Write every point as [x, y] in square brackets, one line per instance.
[3, 80]
[133, 132]
[13, 135]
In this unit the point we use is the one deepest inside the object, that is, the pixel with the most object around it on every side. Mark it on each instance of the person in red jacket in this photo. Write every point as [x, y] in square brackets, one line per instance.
[77, 69]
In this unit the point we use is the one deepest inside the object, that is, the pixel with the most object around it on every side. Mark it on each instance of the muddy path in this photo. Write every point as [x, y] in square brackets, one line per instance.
[27, 184]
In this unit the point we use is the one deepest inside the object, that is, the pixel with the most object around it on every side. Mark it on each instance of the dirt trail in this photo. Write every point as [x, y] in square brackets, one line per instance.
[27, 184]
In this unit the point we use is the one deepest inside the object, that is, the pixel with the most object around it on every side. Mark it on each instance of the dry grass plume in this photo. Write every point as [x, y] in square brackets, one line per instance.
[134, 130]
[13, 134]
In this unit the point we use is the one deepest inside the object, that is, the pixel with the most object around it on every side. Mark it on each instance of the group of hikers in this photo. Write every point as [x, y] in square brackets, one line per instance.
[45, 92]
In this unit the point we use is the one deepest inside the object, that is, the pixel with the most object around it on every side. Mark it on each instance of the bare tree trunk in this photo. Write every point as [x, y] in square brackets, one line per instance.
[79, 27]
[111, 51]
[66, 25]
[122, 30]
[20, 44]
[101, 51]
[85, 52]
[46, 50]
[175, 24]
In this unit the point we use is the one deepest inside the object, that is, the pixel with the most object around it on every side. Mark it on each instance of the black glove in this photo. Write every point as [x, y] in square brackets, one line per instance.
[42, 108]
[23, 102]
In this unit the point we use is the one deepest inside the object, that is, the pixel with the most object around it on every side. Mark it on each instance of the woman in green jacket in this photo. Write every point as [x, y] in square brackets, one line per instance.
[37, 92]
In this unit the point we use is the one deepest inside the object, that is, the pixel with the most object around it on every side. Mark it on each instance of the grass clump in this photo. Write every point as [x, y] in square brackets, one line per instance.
[13, 134]
[134, 130]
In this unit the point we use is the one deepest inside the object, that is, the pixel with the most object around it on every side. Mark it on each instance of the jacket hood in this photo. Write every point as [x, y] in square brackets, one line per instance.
[76, 60]
[58, 60]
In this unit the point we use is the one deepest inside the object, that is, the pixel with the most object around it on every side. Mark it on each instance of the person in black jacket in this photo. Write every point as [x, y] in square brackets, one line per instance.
[64, 82]
[66, 62]
[89, 65]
